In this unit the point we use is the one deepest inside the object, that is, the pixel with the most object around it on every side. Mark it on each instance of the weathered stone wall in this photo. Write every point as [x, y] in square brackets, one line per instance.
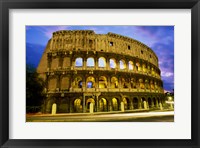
[137, 83]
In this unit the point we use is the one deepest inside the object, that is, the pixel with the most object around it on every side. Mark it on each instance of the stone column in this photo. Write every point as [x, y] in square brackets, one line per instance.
[107, 63]
[91, 107]
[54, 108]
[139, 103]
[83, 103]
[152, 103]
[96, 63]
[157, 103]
[96, 44]
[161, 107]
[110, 105]
[131, 104]
[145, 105]
[122, 106]
[84, 63]
[97, 103]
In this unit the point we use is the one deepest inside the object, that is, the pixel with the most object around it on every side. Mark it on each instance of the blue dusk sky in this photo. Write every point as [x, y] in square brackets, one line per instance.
[159, 38]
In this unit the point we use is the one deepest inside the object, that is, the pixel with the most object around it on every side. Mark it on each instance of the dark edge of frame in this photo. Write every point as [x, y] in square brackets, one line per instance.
[4, 75]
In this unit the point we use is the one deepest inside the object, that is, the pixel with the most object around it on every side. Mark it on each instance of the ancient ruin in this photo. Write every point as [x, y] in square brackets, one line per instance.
[88, 72]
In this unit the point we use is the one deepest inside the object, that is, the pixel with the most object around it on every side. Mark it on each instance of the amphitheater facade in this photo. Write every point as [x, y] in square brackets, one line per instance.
[102, 72]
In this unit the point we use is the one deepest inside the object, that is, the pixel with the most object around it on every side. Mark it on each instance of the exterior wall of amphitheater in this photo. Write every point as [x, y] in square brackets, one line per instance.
[107, 70]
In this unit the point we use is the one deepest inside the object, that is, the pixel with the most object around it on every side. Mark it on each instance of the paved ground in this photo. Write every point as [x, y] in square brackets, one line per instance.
[144, 116]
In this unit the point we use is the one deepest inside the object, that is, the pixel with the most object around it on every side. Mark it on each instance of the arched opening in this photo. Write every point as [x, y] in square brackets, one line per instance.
[77, 105]
[90, 62]
[78, 82]
[135, 103]
[137, 65]
[122, 64]
[126, 103]
[141, 83]
[79, 62]
[103, 105]
[143, 102]
[152, 85]
[113, 63]
[133, 83]
[125, 83]
[130, 65]
[102, 62]
[90, 100]
[90, 82]
[144, 68]
[114, 82]
[102, 82]
[154, 102]
[152, 71]
[115, 104]
[149, 102]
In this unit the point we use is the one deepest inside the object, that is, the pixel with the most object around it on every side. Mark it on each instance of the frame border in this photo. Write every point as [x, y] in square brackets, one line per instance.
[5, 5]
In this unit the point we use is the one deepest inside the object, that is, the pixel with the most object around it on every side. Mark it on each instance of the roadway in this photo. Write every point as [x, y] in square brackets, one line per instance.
[153, 116]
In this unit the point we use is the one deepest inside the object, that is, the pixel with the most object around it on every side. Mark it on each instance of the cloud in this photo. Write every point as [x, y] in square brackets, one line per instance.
[159, 38]
[48, 30]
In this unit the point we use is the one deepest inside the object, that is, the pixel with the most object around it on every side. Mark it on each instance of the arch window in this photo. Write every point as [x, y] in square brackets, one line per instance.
[113, 63]
[77, 105]
[102, 62]
[122, 64]
[79, 62]
[102, 104]
[78, 82]
[137, 66]
[115, 104]
[130, 65]
[102, 82]
[90, 82]
[114, 82]
[90, 62]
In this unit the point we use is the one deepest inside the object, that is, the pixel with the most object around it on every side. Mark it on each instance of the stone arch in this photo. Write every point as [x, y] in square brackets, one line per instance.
[90, 62]
[150, 102]
[154, 101]
[90, 81]
[127, 103]
[103, 105]
[152, 85]
[143, 102]
[152, 71]
[141, 83]
[79, 62]
[122, 64]
[115, 104]
[113, 63]
[133, 83]
[144, 67]
[125, 83]
[49, 105]
[137, 66]
[102, 62]
[136, 103]
[114, 82]
[147, 84]
[130, 65]
[102, 82]
[88, 101]
[62, 106]
[78, 105]
[78, 82]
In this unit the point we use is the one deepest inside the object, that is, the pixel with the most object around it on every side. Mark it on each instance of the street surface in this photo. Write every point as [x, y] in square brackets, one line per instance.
[154, 116]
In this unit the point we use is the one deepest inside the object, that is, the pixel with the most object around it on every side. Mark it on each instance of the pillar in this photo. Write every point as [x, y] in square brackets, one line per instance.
[83, 103]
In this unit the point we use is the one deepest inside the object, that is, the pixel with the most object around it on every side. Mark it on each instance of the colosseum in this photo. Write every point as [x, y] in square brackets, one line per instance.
[89, 72]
